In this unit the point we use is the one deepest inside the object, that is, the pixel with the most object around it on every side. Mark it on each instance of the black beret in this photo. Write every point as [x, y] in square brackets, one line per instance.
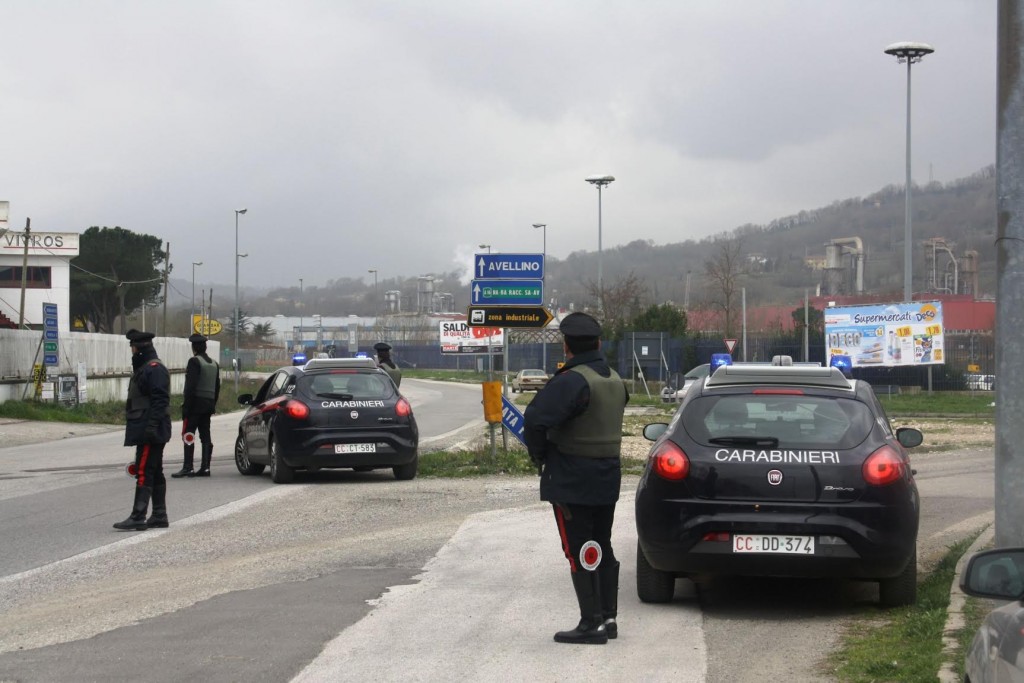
[197, 338]
[579, 325]
[382, 346]
[136, 337]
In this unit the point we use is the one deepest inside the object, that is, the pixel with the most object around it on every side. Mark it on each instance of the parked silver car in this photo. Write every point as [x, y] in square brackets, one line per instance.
[997, 651]
[677, 386]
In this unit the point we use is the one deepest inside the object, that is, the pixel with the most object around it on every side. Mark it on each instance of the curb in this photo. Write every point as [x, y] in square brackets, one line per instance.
[954, 613]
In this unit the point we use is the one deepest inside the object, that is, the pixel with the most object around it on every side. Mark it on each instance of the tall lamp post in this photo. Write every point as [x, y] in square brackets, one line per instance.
[237, 255]
[544, 257]
[375, 306]
[909, 53]
[600, 181]
[192, 320]
[302, 346]
[487, 247]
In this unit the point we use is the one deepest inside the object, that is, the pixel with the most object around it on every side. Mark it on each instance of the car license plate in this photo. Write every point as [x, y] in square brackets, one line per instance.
[355, 448]
[760, 543]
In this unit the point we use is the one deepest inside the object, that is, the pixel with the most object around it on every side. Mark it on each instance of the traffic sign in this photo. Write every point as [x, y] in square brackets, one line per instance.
[730, 344]
[503, 266]
[509, 316]
[207, 326]
[512, 419]
[51, 334]
[498, 292]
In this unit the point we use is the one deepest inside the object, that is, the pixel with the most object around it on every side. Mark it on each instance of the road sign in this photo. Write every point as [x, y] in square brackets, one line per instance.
[509, 316]
[51, 327]
[503, 266]
[514, 292]
[512, 419]
[730, 344]
[206, 326]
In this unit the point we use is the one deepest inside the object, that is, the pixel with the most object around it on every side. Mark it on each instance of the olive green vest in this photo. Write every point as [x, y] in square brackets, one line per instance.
[393, 372]
[138, 402]
[597, 432]
[206, 387]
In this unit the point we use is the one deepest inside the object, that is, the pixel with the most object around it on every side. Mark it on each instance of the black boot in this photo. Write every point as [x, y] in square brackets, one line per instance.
[608, 576]
[590, 630]
[204, 468]
[186, 467]
[159, 517]
[137, 520]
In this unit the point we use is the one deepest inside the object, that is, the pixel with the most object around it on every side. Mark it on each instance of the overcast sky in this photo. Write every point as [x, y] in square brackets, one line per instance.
[401, 135]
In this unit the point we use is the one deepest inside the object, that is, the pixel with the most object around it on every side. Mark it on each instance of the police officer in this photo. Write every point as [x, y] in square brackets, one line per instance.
[202, 389]
[385, 363]
[573, 431]
[148, 428]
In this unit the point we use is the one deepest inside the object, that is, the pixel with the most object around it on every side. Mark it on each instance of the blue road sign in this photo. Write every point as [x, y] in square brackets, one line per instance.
[50, 359]
[49, 309]
[512, 419]
[50, 335]
[505, 266]
[514, 292]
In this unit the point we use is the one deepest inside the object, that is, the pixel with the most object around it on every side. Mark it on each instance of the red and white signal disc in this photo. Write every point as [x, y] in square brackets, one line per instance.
[189, 438]
[590, 555]
[131, 470]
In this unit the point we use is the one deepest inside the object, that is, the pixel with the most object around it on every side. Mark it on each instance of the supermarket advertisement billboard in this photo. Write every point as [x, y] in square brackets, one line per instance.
[886, 335]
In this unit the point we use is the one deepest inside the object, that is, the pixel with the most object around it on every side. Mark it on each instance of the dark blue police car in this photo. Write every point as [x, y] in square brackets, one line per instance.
[778, 470]
[327, 413]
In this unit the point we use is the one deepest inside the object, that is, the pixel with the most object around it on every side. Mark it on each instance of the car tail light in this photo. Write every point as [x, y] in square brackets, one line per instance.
[297, 410]
[402, 408]
[779, 392]
[716, 536]
[883, 467]
[670, 462]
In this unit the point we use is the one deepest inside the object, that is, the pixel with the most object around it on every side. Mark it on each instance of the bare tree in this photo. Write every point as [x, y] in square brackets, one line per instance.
[621, 299]
[724, 270]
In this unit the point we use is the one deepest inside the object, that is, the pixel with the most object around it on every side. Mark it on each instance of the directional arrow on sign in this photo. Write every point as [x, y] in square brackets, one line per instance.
[508, 292]
[508, 316]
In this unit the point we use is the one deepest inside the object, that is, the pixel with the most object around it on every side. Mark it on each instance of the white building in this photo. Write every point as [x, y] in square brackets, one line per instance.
[48, 277]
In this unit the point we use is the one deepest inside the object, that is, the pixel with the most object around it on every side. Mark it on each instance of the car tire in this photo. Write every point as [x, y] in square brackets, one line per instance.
[242, 462]
[652, 585]
[900, 590]
[407, 471]
[280, 472]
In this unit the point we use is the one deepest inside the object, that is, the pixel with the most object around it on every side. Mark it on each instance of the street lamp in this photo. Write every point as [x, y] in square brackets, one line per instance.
[600, 181]
[237, 212]
[543, 340]
[909, 53]
[301, 344]
[192, 320]
[374, 271]
[487, 247]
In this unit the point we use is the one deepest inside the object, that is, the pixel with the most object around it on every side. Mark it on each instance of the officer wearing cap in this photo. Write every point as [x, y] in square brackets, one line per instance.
[148, 428]
[385, 363]
[573, 431]
[202, 389]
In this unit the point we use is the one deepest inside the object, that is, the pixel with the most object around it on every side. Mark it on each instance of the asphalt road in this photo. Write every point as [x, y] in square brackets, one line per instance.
[355, 576]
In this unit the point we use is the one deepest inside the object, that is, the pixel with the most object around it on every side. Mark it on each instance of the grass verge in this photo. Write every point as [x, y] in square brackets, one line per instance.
[479, 462]
[903, 644]
[112, 412]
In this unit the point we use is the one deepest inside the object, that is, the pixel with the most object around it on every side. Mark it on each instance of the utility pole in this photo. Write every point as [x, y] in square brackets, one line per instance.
[1009, 456]
[24, 274]
[167, 266]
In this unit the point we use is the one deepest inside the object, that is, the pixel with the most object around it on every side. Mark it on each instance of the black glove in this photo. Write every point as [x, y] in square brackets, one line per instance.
[538, 461]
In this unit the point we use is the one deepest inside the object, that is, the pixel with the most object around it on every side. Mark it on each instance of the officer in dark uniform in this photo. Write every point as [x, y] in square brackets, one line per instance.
[385, 363]
[148, 428]
[573, 431]
[202, 389]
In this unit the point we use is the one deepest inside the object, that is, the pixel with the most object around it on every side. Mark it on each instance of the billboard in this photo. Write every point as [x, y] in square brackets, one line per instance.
[886, 335]
[457, 336]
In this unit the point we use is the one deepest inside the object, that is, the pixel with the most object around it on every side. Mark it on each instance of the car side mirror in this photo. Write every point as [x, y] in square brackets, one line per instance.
[996, 574]
[653, 431]
[909, 437]
[245, 400]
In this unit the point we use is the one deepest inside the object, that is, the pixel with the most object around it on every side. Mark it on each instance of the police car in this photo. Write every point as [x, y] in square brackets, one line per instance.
[778, 470]
[327, 413]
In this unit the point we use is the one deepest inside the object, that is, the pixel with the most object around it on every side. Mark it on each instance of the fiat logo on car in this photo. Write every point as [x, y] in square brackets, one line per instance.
[774, 477]
[355, 415]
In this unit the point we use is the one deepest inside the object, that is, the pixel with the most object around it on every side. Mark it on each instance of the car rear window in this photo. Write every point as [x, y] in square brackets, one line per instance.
[358, 385]
[795, 420]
